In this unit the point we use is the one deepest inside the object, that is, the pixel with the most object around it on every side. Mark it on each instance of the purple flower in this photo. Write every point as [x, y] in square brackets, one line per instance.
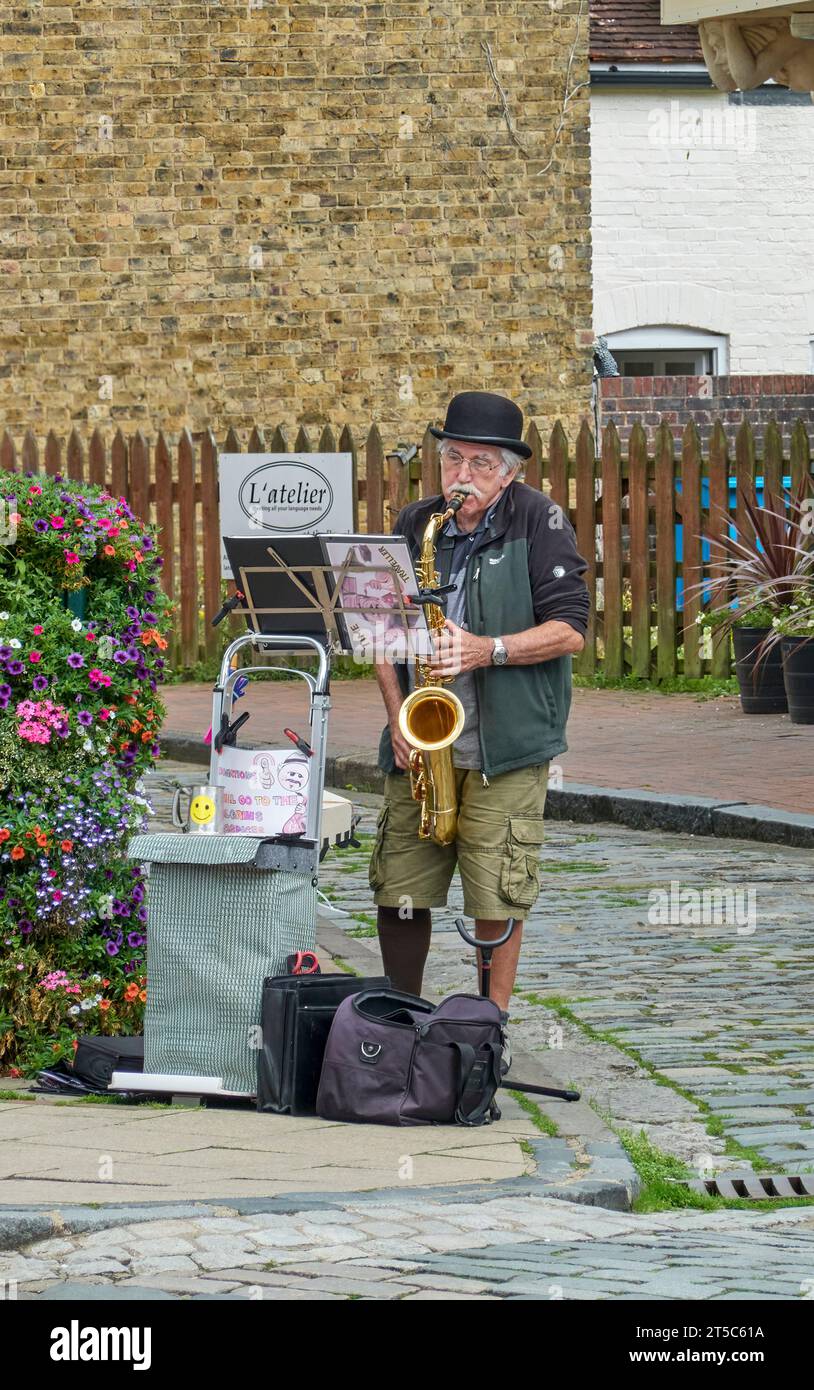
[5, 653]
[5, 690]
[24, 926]
[137, 894]
[132, 613]
[135, 939]
[40, 525]
[40, 682]
[15, 668]
[142, 914]
[75, 659]
[111, 948]
[120, 657]
[3, 701]
[85, 717]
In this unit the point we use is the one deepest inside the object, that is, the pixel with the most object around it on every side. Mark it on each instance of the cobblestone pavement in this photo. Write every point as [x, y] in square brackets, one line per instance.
[723, 1011]
[414, 1248]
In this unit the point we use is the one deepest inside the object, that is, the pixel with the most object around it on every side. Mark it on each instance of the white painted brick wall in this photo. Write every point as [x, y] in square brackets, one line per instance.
[705, 225]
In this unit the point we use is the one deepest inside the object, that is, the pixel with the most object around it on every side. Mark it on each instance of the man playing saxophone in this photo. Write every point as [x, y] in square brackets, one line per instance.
[517, 615]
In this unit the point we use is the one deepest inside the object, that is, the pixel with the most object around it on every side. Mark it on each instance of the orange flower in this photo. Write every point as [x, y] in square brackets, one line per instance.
[131, 700]
[42, 840]
[143, 996]
[104, 1004]
[66, 846]
[161, 643]
[18, 852]
[149, 716]
[131, 992]
[108, 550]
[146, 637]
[136, 727]
[4, 835]
[146, 737]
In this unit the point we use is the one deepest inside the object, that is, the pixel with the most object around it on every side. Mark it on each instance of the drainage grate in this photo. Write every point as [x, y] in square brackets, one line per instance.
[753, 1185]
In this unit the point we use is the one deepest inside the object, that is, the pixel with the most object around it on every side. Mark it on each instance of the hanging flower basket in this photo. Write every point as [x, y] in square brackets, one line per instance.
[82, 636]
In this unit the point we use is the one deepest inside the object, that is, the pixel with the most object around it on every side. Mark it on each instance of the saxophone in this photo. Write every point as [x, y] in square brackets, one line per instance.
[432, 718]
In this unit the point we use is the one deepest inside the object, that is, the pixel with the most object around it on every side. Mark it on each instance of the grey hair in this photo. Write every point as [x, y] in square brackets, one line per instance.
[509, 460]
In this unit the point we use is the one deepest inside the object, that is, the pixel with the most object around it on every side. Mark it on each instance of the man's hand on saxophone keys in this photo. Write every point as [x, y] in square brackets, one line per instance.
[457, 650]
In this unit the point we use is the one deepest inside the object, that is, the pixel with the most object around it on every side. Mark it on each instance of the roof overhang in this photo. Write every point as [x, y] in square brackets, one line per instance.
[691, 11]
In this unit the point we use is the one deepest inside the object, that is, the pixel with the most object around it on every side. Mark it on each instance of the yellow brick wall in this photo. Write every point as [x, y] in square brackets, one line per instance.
[236, 213]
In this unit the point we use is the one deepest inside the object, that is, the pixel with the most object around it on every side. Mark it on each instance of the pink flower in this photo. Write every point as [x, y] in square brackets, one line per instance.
[38, 629]
[34, 733]
[57, 522]
[104, 713]
[57, 896]
[35, 656]
[15, 518]
[35, 491]
[71, 557]
[131, 565]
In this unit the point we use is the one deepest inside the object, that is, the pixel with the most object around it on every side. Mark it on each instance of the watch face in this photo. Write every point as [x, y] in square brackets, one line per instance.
[499, 656]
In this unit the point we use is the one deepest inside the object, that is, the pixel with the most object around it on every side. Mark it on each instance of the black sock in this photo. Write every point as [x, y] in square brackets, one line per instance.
[405, 944]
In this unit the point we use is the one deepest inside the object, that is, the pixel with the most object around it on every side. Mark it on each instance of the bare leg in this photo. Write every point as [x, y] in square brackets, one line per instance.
[504, 960]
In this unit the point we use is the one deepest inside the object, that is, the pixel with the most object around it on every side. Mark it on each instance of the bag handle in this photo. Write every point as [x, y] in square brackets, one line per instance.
[467, 1058]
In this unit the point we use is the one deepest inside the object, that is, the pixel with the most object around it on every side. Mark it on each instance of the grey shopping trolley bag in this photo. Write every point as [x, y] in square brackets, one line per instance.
[224, 913]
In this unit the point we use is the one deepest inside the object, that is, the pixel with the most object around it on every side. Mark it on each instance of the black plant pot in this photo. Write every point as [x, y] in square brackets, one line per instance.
[798, 669]
[767, 695]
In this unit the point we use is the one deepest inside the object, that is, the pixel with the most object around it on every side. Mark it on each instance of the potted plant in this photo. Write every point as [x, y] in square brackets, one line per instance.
[760, 573]
[795, 630]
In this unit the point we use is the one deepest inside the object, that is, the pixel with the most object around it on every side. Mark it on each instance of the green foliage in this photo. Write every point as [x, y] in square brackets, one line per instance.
[82, 624]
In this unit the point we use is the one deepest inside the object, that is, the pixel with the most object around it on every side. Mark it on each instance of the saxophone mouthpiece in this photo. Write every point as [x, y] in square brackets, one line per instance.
[457, 501]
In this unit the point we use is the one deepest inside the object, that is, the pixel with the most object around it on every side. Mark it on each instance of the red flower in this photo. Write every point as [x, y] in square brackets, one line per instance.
[18, 852]
[67, 846]
[4, 835]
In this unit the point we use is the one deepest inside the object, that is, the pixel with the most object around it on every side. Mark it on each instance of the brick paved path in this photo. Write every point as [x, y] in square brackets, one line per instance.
[668, 743]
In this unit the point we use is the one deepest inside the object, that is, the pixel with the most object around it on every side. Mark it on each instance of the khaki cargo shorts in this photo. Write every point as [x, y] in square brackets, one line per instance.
[500, 833]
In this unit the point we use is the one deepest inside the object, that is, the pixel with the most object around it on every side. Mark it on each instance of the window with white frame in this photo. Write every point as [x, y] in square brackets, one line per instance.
[669, 350]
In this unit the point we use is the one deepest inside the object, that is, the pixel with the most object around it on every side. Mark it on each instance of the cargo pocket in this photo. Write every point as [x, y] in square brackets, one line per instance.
[375, 871]
[520, 870]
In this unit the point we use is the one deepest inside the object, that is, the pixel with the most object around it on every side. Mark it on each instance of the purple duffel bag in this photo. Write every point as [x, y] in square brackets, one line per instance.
[394, 1059]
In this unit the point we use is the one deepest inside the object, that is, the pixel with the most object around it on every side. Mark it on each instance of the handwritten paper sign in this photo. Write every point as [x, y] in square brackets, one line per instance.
[265, 791]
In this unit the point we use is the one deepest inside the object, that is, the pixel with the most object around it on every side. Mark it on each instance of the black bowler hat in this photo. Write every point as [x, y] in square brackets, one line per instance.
[481, 417]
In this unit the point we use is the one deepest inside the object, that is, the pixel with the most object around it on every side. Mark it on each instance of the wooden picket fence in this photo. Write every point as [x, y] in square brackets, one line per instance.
[624, 506]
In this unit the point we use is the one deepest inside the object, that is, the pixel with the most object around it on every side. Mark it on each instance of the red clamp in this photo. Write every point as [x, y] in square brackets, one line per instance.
[303, 963]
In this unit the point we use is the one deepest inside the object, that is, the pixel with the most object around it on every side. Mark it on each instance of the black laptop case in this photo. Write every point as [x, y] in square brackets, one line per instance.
[296, 1016]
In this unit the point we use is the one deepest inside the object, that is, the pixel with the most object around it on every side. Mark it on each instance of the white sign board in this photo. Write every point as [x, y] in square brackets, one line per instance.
[265, 791]
[284, 495]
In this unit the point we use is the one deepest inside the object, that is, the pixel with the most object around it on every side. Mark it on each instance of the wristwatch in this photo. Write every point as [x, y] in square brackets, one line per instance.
[499, 654]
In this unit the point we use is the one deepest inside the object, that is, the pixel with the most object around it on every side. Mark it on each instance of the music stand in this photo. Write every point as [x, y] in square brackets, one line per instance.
[293, 601]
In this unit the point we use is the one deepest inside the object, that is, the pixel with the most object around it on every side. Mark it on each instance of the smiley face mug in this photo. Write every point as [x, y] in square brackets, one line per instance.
[204, 813]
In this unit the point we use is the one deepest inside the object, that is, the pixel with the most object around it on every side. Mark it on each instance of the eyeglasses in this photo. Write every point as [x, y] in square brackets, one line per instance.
[483, 466]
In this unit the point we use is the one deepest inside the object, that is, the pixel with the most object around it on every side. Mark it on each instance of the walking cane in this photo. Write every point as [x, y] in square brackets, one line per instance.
[486, 948]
